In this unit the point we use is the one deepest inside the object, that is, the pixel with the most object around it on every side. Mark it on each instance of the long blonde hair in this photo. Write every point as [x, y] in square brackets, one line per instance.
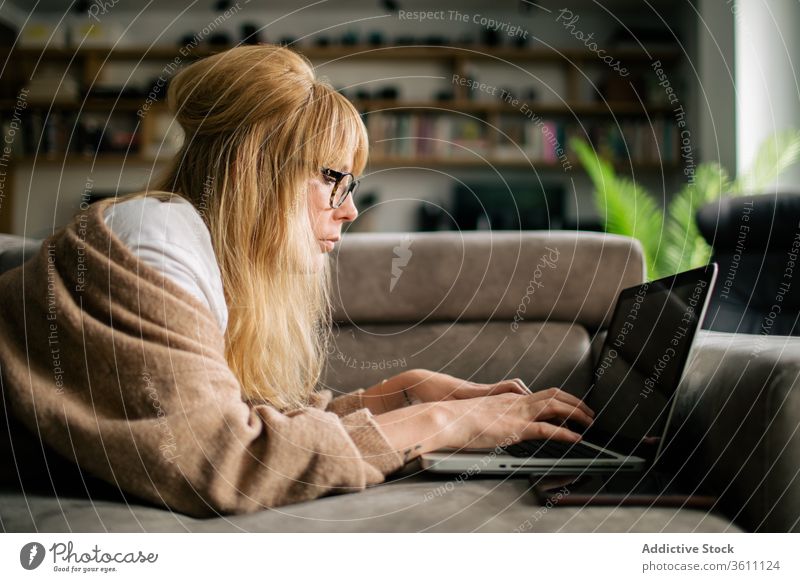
[258, 125]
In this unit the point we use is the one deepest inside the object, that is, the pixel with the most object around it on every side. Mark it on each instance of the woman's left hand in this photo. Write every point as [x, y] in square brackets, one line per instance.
[429, 386]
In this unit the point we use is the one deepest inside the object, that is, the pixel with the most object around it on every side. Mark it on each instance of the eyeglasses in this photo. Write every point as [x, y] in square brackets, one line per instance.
[344, 184]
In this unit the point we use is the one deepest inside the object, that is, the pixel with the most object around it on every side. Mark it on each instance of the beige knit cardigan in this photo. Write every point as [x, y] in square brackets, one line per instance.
[122, 371]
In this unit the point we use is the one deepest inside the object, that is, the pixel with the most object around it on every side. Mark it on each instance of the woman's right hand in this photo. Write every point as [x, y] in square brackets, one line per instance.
[488, 421]
[483, 422]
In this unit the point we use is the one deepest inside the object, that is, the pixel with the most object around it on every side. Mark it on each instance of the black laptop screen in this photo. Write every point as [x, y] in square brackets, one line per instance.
[643, 357]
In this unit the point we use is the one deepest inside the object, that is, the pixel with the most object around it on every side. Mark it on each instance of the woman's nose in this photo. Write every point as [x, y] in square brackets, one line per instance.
[347, 211]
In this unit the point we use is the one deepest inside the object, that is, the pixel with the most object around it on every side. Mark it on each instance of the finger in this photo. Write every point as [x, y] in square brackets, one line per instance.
[515, 386]
[558, 394]
[525, 389]
[544, 430]
[472, 390]
[562, 410]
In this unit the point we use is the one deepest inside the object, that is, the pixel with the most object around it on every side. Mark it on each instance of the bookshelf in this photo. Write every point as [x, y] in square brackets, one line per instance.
[488, 126]
[88, 64]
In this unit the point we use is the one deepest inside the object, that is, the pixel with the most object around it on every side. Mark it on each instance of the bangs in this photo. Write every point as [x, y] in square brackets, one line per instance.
[339, 136]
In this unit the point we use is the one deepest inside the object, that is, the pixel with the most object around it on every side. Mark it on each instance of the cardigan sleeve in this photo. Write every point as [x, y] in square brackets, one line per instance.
[248, 458]
[372, 442]
[341, 405]
[361, 426]
[347, 403]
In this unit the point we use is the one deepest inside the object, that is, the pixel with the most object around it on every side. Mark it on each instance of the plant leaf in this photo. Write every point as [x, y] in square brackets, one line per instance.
[671, 240]
[683, 246]
[624, 207]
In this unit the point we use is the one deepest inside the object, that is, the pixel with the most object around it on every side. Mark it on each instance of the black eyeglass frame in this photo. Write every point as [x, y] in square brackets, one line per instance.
[338, 177]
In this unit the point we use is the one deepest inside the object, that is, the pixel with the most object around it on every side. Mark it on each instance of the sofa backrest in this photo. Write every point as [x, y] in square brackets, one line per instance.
[15, 250]
[479, 305]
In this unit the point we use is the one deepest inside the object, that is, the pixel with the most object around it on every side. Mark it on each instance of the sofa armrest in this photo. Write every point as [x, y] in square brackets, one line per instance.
[736, 427]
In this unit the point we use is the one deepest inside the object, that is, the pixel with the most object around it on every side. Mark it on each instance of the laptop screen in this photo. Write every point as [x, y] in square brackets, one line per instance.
[643, 357]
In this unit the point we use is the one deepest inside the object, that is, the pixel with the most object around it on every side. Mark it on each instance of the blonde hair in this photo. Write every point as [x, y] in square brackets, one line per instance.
[258, 125]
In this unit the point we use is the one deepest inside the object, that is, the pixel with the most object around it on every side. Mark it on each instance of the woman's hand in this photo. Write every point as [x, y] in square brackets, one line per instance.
[485, 422]
[429, 386]
[420, 386]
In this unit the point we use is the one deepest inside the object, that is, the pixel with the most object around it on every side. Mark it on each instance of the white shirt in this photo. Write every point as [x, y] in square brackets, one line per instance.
[172, 238]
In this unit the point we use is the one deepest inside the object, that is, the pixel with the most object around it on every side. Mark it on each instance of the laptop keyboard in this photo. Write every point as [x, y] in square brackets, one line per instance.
[548, 449]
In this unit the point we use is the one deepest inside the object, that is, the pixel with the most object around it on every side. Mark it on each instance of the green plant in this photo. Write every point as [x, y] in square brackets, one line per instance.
[670, 239]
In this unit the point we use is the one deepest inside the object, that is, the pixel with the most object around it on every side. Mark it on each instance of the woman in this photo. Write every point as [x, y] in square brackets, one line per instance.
[174, 338]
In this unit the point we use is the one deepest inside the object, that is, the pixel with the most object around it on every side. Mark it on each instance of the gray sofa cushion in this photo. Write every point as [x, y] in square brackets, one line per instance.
[409, 503]
[543, 354]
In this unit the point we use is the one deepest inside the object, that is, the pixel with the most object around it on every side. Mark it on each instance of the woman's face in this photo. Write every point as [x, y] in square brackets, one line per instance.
[327, 222]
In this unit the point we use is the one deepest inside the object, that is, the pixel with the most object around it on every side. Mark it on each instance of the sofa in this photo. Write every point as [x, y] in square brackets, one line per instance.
[488, 306]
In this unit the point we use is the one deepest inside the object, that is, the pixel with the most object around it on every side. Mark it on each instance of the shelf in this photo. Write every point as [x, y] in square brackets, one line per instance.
[611, 109]
[363, 52]
[479, 52]
[91, 60]
[374, 162]
[99, 159]
[456, 162]
[126, 104]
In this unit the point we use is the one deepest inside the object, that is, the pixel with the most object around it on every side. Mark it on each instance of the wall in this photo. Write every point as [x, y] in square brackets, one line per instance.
[716, 95]
[767, 55]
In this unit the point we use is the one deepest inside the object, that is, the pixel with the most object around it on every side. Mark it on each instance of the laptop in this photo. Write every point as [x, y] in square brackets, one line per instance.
[633, 393]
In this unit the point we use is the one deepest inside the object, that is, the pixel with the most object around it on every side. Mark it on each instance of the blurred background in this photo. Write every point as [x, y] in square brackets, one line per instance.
[501, 114]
